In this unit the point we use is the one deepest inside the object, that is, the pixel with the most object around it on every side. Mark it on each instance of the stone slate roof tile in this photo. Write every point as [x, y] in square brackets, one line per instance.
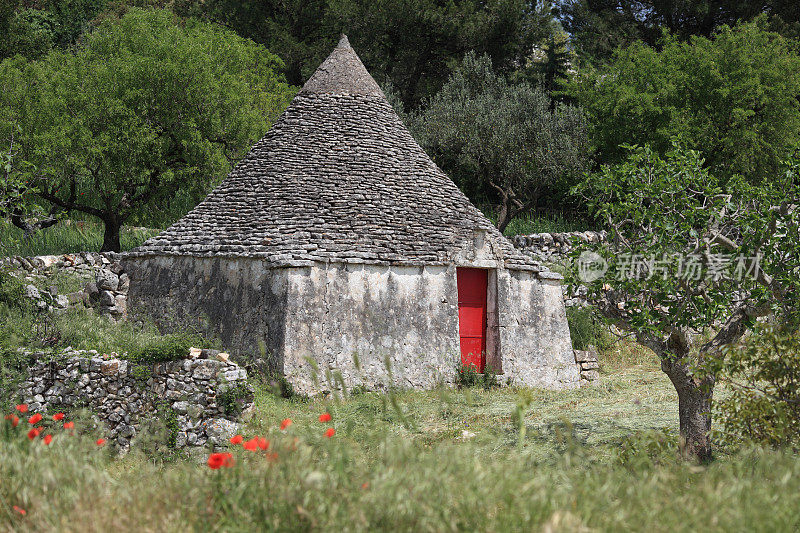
[338, 178]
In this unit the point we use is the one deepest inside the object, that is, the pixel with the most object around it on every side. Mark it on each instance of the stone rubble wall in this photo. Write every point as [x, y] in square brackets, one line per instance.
[588, 364]
[554, 247]
[124, 394]
[106, 286]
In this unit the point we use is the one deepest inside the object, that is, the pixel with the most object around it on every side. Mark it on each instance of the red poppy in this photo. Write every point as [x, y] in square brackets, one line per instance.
[215, 461]
[20, 510]
[236, 439]
[262, 443]
[34, 432]
[100, 442]
[48, 438]
[22, 408]
[250, 445]
[7, 417]
[286, 423]
[58, 416]
[35, 419]
[69, 425]
[325, 417]
[218, 460]
[365, 485]
[272, 457]
[330, 433]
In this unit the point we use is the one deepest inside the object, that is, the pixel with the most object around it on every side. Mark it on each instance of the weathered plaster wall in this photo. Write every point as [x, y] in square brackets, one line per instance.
[238, 300]
[408, 314]
[535, 345]
[334, 314]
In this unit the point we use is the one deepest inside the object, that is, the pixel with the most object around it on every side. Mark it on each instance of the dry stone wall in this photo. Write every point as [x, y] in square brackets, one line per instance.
[554, 247]
[199, 400]
[105, 283]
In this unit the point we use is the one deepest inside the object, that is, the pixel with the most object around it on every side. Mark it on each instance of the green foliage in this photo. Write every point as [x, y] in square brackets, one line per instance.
[12, 291]
[166, 348]
[413, 44]
[147, 113]
[230, 398]
[68, 236]
[763, 375]
[467, 376]
[587, 329]
[728, 96]
[501, 140]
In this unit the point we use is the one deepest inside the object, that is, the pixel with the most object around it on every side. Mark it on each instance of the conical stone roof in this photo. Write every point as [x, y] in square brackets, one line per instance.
[338, 178]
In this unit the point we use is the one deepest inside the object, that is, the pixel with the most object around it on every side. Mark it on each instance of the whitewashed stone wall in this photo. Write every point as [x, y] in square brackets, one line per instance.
[535, 345]
[123, 395]
[307, 322]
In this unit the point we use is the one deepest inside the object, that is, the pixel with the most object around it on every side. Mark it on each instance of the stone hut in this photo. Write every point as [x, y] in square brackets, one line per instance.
[337, 243]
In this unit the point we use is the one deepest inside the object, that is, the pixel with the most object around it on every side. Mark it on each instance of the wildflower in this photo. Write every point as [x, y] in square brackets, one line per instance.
[262, 443]
[34, 432]
[330, 433]
[250, 445]
[58, 416]
[218, 460]
[100, 442]
[215, 461]
[22, 408]
[286, 423]
[14, 421]
[272, 457]
[236, 439]
[69, 425]
[325, 417]
[20, 510]
[35, 419]
[48, 439]
[365, 485]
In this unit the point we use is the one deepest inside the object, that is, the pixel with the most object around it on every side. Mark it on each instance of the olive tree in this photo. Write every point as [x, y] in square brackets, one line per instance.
[692, 264]
[503, 138]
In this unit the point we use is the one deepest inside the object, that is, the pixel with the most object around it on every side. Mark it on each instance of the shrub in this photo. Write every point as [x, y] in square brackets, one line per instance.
[587, 329]
[764, 377]
[12, 291]
[166, 348]
[468, 376]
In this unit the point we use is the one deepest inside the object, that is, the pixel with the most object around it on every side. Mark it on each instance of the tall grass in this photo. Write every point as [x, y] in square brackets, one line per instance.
[550, 222]
[377, 475]
[68, 236]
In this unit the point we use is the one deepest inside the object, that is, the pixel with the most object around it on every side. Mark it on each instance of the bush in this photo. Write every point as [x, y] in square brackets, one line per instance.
[587, 329]
[167, 348]
[12, 291]
[764, 376]
[468, 376]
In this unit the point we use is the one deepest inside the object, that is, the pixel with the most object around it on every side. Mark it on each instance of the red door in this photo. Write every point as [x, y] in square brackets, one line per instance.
[472, 284]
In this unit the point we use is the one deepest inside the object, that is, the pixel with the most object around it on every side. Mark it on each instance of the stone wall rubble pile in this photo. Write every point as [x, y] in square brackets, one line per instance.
[106, 286]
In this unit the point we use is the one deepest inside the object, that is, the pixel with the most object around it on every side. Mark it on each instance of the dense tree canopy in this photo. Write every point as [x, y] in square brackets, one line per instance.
[502, 139]
[734, 97]
[599, 27]
[145, 110]
[411, 43]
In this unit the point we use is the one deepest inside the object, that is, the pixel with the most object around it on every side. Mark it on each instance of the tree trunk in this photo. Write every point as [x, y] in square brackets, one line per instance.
[694, 407]
[503, 216]
[111, 234]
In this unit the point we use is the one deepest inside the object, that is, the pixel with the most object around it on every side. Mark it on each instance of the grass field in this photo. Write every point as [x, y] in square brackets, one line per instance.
[602, 458]
[66, 237]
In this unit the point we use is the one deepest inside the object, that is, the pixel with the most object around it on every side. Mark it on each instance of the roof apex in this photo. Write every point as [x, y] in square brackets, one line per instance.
[342, 73]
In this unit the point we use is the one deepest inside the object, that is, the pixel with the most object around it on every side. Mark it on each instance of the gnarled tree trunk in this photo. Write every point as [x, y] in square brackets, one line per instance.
[694, 407]
[111, 242]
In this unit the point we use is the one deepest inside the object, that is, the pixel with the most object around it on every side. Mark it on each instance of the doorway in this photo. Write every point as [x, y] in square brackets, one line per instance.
[472, 289]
